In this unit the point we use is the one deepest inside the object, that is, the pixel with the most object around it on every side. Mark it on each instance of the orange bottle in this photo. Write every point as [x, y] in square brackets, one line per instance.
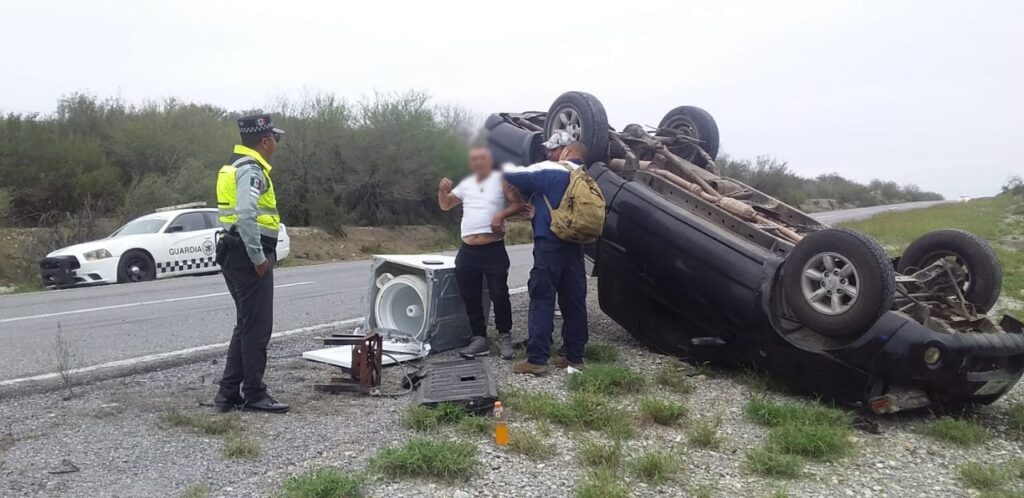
[500, 427]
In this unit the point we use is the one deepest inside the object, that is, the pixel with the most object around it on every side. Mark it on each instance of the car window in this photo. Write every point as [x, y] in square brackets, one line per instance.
[190, 222]
[139, 227]
[212, 219]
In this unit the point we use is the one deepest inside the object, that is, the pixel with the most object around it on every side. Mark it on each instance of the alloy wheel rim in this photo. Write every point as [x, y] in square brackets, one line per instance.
[830, 283]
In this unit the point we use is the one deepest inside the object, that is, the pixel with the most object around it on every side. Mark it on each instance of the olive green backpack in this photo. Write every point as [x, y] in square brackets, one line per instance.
[580, 216]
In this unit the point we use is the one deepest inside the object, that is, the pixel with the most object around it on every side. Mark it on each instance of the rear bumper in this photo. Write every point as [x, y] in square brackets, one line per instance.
[68, 271]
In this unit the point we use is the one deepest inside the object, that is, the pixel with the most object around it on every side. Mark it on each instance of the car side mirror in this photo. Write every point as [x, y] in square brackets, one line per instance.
[175, 229]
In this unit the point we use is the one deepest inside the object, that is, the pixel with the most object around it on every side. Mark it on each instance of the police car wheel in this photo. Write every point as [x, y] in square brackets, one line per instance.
[135, 266]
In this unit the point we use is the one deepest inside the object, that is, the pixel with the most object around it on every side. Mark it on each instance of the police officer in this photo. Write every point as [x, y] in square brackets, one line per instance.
[246, 254]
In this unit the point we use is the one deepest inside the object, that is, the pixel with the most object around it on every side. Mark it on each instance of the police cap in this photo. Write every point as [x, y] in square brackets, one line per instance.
[258, 124]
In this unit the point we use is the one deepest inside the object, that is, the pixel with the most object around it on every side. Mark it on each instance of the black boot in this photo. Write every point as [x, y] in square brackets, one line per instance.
[266, 404]
[226, 404]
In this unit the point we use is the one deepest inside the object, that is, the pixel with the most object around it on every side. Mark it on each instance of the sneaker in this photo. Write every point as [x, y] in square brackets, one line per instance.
[525, 367]
[477, 347]
[505, 346]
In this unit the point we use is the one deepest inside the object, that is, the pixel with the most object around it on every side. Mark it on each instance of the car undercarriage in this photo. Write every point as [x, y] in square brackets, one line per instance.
[707, 268]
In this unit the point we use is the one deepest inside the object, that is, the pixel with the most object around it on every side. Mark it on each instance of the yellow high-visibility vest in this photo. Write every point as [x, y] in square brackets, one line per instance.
[227, 196]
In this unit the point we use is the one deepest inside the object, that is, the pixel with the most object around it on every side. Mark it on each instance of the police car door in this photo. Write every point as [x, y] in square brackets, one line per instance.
[189, 246]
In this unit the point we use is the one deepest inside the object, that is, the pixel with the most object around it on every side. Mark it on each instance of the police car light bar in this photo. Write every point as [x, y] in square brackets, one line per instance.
[189, 205]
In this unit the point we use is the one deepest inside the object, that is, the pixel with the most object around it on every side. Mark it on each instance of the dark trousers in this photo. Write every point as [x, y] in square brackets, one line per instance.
[558, 272]
[254, 308]
[475, 265]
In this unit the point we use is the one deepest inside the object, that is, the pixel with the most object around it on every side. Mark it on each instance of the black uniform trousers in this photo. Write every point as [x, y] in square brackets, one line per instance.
[475, 265]
[254, 307]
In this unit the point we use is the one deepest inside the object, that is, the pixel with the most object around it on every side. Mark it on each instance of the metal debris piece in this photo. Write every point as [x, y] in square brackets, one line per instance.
[66, 467]
[367, 351]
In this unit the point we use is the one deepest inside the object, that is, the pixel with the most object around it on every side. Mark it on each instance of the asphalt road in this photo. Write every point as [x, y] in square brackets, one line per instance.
[119, 322]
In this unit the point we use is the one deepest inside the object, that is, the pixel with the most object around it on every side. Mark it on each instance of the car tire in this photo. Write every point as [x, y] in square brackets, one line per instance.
[838, 282]
[583, 116]
[974, 254]
[135, 266]
[695, 123]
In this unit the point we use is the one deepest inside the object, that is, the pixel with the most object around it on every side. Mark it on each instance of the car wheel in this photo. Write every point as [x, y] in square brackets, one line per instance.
[838, 282]
[697, 124]
[974, 255]
[582, 116]
[135, 266]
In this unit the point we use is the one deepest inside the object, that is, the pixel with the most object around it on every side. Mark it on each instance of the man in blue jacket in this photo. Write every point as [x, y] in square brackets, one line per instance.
[558, 269]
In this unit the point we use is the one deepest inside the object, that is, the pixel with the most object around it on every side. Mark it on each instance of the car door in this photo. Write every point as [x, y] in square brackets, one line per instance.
[190, 246]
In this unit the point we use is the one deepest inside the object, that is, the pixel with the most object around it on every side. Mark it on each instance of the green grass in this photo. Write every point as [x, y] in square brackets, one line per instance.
[760, 381]
[775, 414]
[211, 425]
[662, 412]
[779, 493]
[601, 484]
[424, 419]
[477, 425]
[419, 457]
[818, 442]
[704, 432]
[323, 483]
[1015, 416]
[655, 467]
[979, 476]
[987, 218]
[606, 379]
[528, 444]
[703, 491]
[197, 490]
[599, 455]
[238, 447]
[774, 464]
[601, 353]
[957, 431]
[582, 411]
[673, 378]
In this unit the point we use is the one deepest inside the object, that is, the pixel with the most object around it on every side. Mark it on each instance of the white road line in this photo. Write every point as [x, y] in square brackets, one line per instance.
[131, 305]
[172, 354]
[185, 352]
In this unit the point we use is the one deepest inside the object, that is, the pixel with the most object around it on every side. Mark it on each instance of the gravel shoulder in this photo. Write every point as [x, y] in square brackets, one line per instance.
[113, 433]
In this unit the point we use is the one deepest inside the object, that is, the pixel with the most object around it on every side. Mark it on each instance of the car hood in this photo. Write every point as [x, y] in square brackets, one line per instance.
[115, 245]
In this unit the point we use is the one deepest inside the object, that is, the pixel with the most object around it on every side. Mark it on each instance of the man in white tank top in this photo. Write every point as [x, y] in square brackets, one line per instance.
[486, 202]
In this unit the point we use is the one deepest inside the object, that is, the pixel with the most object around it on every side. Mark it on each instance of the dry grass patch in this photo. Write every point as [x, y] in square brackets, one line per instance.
[241, 447]
[211, 425]
[704, 432]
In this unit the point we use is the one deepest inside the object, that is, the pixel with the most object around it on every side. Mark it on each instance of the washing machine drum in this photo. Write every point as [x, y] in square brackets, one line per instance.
[402, 304]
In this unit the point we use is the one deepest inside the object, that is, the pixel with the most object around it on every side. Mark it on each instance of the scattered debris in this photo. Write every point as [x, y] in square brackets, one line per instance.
[65, 467]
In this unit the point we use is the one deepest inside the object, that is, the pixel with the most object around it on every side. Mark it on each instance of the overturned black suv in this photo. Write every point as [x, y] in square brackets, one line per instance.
[701, 266]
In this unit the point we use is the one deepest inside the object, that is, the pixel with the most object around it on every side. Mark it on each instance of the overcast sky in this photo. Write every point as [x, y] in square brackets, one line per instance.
[928, 92]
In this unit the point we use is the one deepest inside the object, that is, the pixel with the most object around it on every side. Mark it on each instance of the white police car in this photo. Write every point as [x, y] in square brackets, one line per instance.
[173, 241]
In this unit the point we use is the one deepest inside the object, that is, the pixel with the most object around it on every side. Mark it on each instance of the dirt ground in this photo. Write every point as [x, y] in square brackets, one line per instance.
[313, 245]
[113, 438]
